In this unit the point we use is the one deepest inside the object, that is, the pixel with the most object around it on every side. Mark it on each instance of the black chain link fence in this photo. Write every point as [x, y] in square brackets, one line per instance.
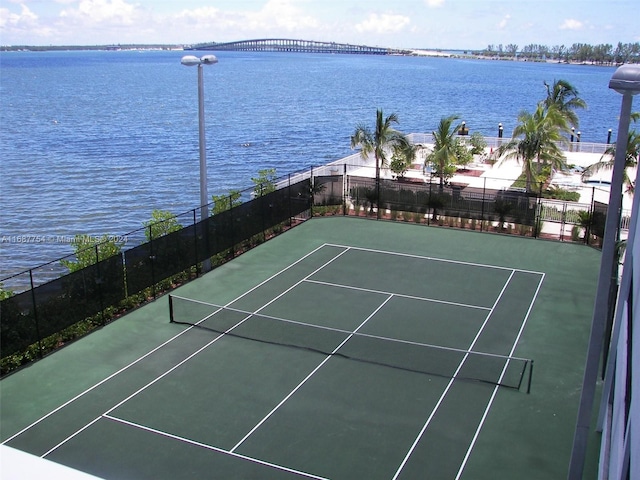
[36, 321]
[42, 318]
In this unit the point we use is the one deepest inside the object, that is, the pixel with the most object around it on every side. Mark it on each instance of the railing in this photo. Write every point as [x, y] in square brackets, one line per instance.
[501, 209]
[495, 142]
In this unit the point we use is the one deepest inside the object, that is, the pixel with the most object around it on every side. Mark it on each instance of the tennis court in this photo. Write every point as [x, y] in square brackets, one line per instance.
[339, 350]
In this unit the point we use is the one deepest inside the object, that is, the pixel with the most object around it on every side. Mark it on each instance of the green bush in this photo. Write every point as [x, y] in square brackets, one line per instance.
[558, 193]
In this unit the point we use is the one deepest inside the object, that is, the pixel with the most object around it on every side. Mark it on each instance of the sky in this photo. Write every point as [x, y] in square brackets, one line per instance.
[418, 24]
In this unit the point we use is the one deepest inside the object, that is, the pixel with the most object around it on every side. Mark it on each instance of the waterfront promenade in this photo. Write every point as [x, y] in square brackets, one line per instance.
[486, 174]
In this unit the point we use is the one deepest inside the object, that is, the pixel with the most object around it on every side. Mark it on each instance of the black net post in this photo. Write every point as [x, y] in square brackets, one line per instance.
[530, 377]
[171, 308]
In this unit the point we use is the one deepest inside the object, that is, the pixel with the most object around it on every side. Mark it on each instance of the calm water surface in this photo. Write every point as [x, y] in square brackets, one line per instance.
[92, 142]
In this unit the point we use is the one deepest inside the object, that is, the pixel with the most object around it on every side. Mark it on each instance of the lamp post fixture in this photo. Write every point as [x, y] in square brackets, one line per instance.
[192, 61]
[626, 81]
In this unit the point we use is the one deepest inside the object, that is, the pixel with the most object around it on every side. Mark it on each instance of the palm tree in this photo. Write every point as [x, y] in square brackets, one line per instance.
[535, 142]
[608, 157]
[565, 98]
[379, 142]
[444, 155]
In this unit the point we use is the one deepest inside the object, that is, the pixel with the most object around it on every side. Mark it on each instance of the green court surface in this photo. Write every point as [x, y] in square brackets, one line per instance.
[343, 349]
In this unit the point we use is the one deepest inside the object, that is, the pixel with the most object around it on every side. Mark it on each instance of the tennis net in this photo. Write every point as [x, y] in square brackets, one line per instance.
[422, 358]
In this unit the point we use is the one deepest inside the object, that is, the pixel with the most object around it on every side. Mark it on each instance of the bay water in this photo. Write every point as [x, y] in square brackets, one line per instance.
[91, 142]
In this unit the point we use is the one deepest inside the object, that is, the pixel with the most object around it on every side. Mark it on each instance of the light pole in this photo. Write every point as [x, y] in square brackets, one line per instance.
[191, 61]
[626, 81]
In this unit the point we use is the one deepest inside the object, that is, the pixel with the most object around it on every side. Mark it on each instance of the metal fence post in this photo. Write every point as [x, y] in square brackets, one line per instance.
[195, 244]
[563, 221]
[344, 190]
[312, 192]
[99, 283]
[537, 227]
[289, 200]
[152, 257]
[35, 313]
[484, 199]
[231, 233]
[378, 199]
[262, 215]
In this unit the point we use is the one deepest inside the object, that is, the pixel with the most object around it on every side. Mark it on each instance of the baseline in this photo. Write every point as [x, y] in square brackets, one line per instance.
[143, 357]
[159, 377]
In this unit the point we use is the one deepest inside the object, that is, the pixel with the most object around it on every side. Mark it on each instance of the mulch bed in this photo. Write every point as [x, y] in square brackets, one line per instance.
[469, 173]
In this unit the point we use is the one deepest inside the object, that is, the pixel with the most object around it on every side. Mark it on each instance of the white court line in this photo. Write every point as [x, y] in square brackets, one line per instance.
[150, 352]
[141, 389]
[215, 449]
[495, 390]
[450, 384]
[137, 392]
[435, 259]
[282, 402]
[67, 439]
[411, 297]
[350, 332]
[92, 388]
[239, 297]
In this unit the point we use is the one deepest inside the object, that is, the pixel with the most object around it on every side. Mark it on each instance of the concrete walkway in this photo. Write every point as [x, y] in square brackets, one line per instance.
[501, 175]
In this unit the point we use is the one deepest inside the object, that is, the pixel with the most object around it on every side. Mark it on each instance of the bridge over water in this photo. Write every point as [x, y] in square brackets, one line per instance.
[304, 46]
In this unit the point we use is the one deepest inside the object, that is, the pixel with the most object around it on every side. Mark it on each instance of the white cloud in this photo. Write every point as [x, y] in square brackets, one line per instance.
[571, 24]
[103, 12]
[24, 25]
[283, 14]
[434, 3]
[25, 17]
[382, 23]
[274, 17]
[504, 21]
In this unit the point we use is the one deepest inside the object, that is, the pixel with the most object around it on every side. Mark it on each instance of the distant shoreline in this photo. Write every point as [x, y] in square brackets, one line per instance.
[433, 53]
[66, 48]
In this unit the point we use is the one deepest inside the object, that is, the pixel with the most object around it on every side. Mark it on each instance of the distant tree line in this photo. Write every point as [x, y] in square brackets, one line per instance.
[65, 48]
[603, 54]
